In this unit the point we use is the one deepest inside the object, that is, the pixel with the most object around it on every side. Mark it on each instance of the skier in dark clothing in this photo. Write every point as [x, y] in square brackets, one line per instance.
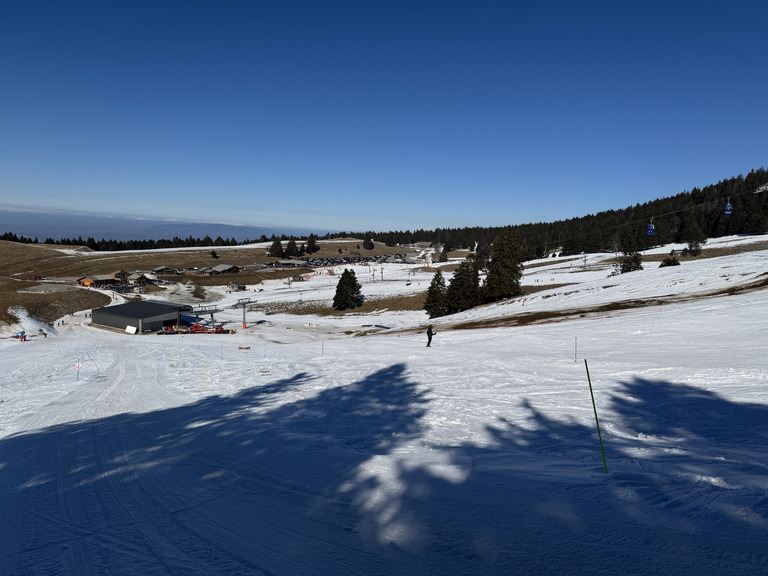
[429, 335]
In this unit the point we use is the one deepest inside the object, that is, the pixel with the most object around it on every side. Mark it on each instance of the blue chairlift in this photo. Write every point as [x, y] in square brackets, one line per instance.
[728, 208]
[651, 230]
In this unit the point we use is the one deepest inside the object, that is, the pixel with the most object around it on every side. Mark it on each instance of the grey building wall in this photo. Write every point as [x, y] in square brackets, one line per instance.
[143, 315]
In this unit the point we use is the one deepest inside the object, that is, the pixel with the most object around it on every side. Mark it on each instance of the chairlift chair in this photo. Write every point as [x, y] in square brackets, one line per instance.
[728, 208]
[651, 230]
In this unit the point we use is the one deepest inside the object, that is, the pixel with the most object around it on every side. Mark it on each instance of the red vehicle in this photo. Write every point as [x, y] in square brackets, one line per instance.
[198, 329]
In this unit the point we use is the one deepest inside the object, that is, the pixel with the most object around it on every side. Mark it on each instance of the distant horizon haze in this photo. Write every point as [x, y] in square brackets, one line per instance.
[62, 224]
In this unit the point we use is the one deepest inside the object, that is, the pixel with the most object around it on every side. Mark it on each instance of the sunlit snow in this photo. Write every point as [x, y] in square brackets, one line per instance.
[343, 445]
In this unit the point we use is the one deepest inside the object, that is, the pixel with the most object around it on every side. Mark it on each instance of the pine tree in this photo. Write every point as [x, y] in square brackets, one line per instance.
[435, 302]
[347, 291]
[276, 250]
[463, 292]
[312, 246]
[482, 255]
[291, 250]
[368, 244]
[505, 268]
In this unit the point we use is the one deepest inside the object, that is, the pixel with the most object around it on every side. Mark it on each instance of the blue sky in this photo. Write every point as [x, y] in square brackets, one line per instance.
[380, 115]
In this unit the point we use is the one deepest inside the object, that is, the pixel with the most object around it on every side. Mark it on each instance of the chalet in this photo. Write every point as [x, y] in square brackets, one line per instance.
[290, 263]
[98, 281]
[221, 269]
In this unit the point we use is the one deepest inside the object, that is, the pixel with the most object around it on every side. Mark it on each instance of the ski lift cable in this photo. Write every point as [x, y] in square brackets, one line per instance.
[758, 190]
[651, 226]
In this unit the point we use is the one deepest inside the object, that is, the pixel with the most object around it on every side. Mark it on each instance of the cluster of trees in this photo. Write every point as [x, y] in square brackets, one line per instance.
[291, 250]
[504, 270]
[11, 237]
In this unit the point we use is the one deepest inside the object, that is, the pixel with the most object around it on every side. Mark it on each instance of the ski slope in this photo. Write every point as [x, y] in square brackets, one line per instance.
[295, 447]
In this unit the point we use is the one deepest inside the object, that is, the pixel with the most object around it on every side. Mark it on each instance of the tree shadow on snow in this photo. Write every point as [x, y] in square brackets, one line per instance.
[685, 489]
[243, 484]
[341, 481]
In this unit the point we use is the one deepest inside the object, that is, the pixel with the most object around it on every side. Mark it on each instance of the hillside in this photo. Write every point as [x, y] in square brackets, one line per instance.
[309, 444]
[59, 267]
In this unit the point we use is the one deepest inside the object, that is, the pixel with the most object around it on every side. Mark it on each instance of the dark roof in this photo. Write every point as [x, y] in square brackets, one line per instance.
[145, 309]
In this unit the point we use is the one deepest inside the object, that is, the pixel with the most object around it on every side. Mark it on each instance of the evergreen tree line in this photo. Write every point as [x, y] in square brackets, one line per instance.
[674, 219]
[504, 270]
[105, 245]
[292, 250]
[10, 237]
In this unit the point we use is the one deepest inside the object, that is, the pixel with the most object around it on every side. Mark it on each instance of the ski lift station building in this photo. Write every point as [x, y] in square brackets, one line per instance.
[147, 316]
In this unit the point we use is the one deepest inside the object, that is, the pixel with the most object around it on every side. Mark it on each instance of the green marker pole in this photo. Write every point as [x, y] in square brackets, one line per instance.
[594, 406]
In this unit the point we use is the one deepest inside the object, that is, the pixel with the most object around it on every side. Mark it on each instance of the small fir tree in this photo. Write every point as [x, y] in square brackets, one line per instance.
[291, 250]
[347, 292]
[368, 244]
[505, 268]
[435, 302]
[312, 246]
[276, 250]
[463, 292]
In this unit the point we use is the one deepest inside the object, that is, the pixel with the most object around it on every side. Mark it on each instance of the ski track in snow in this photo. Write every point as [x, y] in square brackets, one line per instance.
[314, 452]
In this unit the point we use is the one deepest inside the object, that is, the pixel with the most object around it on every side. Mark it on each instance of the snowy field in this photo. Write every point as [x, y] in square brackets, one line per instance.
[294, 447]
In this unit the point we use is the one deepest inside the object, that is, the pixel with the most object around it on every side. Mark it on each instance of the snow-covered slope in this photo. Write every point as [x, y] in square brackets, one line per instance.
[291, 447]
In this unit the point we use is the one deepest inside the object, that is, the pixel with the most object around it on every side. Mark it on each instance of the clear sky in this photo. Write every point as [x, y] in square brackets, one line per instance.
[381, 115]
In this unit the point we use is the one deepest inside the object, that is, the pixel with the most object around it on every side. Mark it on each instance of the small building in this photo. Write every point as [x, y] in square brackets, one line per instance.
[137, 278]
[147, 316]
[164, 270]
[98, 281]
[290, 263]
[222, 269]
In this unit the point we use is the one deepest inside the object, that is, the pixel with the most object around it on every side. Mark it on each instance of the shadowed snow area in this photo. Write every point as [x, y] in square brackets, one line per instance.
[291, 448]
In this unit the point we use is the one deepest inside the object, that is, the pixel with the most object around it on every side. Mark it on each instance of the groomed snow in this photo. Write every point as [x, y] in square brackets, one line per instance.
[293, 447]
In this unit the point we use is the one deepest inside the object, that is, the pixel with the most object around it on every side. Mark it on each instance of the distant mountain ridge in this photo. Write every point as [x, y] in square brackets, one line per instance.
[61, 224]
